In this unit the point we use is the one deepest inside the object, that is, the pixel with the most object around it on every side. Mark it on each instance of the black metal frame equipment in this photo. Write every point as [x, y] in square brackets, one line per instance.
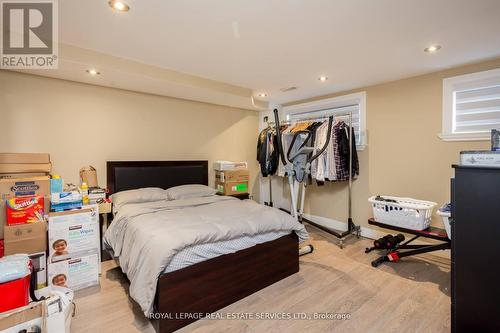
[395, 253]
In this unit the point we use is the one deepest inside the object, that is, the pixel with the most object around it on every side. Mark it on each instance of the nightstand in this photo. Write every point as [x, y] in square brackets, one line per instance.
[104, 211]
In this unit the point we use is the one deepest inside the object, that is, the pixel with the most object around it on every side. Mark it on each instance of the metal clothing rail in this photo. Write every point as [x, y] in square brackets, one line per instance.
[352, 228]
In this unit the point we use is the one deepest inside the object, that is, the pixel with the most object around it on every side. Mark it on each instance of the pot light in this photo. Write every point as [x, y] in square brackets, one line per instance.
[262, 95]
[119, 5]
[432, 48]
[323, 78]
[93, 72]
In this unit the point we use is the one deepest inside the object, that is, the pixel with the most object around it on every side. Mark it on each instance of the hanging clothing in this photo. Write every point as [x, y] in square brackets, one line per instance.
[267, 152]
[342, 156]
[322, 168]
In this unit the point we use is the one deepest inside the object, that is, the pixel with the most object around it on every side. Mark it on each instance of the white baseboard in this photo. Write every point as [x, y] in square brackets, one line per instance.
[365, 231]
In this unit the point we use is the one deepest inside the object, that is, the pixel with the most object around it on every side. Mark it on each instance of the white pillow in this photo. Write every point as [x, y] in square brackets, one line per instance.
[146, 194]
[189, 191]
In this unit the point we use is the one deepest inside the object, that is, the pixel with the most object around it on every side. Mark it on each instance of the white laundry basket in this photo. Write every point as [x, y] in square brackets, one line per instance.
[405, 212]
[446, 216]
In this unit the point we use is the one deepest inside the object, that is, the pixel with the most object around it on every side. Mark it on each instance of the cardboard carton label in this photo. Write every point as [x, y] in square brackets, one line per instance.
[76, 274]
[25, 210]
[72, 234]
[22, 187]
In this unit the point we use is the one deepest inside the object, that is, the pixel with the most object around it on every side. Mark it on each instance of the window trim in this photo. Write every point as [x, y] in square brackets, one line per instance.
[449, 86]
[335, 102]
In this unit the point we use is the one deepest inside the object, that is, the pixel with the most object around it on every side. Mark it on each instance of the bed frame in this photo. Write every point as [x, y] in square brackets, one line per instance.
[208, 286]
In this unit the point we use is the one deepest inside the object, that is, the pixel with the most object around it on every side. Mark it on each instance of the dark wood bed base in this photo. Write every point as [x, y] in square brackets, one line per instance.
[213, 284]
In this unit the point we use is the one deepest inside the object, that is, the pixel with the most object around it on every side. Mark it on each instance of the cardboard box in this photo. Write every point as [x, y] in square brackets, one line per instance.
[228, 165]
[24, 158]
[25, 210]
[20, 187]
[23, 175]
[25, 238]
[232, 176]
[88, 175]
[25, 168]
[3, 215]
[73, 234]
[75, 273]
[231, 188]
[24, 318]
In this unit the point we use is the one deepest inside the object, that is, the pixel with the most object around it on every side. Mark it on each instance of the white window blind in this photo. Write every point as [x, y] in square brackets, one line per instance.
[471, 106]
[477, 110]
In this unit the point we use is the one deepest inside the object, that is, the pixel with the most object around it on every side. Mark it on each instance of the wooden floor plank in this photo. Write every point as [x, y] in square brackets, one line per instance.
[409, 296]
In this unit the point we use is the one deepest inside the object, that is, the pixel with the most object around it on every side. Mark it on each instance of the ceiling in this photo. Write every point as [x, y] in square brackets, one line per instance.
[238, 48]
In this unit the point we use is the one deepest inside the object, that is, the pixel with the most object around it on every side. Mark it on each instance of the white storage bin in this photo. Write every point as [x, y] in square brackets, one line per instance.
[446, 216]
[406, 212]
[228, 165]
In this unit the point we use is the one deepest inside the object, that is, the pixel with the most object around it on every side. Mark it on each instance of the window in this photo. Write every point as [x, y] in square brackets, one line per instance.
[471, 106]
[356, 103]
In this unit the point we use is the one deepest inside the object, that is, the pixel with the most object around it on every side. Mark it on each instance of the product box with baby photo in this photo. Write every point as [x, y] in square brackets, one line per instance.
[73, 234]
[75, 274]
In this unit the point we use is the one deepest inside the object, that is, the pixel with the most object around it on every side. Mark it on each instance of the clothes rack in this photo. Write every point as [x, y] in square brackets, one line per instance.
[352, 228]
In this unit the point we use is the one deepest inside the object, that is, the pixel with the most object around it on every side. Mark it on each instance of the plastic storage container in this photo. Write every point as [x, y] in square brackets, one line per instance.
[404, 212]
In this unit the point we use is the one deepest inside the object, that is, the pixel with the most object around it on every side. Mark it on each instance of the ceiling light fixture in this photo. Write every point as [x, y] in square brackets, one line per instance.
[323, 78]
[93, 72]
[432, 48]
[119, 6]
[262, 95]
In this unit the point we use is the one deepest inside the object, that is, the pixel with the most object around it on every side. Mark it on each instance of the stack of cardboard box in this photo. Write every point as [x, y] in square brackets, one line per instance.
[74, 252]
[24, 191]
[231, 179]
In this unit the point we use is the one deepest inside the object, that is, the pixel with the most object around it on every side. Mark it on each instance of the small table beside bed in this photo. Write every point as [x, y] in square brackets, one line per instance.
[188, 251]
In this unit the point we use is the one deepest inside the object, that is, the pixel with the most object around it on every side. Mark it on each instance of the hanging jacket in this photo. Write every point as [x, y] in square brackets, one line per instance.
[267, 152]
[343, 150]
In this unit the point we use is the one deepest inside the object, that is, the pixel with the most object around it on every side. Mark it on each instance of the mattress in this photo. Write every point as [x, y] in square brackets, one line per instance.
[201, 252]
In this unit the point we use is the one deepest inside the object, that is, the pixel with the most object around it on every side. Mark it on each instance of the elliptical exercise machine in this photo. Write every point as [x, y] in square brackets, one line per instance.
[298, 171]
[300, 167]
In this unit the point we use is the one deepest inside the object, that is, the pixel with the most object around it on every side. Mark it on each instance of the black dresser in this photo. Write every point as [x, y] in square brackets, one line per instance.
[475, 254]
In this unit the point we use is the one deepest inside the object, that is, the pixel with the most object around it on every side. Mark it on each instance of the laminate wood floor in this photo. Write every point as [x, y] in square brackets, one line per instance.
[408, 296]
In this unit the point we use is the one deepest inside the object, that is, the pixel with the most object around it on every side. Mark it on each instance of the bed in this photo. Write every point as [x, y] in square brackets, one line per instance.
[204, 287]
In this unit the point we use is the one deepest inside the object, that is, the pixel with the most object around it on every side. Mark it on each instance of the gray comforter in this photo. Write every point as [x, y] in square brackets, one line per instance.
[145, 237]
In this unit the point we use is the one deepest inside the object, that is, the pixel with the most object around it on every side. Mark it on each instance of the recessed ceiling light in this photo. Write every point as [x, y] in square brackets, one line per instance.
[119, 5]
[432, 48]
[262, 95]
[323, 78]
[93, 72]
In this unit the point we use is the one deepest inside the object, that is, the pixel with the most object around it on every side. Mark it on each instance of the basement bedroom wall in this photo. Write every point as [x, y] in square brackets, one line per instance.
[81, 124]
[403, 157]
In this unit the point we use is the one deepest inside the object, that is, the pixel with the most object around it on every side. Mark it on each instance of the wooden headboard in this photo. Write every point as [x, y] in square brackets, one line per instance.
[130, 175]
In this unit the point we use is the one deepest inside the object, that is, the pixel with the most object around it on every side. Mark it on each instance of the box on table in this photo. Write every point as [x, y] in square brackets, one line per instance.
[3, 215]
[73, 233]
[231, 188]
[25, 168]
[25, 238]
[232, 176]
[25, 210]
[24, 158]
[228, 165]
[26, 186]
[75, 273]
